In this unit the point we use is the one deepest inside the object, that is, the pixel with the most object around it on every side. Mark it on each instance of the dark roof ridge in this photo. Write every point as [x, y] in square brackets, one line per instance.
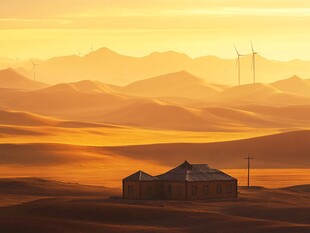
[140, 176]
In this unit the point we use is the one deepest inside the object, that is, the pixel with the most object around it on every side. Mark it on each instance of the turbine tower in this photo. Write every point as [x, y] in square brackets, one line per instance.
[34, 69]
[238, 62]
[253, 62]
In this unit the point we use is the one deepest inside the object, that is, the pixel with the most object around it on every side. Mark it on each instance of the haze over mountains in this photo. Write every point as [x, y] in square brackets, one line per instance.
[179, 101]
[110, 67]
[9, 78]
[89, 121]
[179, 84]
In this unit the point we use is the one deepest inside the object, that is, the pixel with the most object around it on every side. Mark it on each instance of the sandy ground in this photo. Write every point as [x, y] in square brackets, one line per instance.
[255, 210]
[280, 159]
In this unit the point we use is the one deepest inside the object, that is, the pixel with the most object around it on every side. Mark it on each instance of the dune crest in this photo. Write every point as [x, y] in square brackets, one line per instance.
[9, 78]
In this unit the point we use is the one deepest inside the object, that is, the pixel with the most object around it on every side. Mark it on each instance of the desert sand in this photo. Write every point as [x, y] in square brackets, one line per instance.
[93, 134]
[58, 207]
[96, 133]
[92, 92]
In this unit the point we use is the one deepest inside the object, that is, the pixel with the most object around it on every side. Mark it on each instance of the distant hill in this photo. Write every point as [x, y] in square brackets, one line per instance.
[108, 66]
[178, 101]
[283, 150]
[180, 84]
[294, 85]
[9, 78]
[156, 114]
[60, 99]
[259, 93]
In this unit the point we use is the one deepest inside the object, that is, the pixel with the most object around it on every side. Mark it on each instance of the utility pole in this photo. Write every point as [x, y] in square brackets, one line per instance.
[249, 167]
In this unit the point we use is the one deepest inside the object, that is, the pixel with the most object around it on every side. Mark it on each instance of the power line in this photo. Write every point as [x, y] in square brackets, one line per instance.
[240, 181]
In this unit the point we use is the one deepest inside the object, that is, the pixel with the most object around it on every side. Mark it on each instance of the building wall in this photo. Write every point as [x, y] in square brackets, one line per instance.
[173, 190]
[211, 190]
[131, 190]
[149, 190]
[198, 190]
[140, 190]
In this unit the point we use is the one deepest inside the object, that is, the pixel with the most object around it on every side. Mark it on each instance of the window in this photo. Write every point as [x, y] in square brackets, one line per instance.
[179, 190]
[149, 190]
[130, 189]
[219, 189]
[206, 189]
[169, 189]
[194, 189]
[229, 188]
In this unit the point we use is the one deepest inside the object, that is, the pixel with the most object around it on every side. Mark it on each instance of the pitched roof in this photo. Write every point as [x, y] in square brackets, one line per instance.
[194, 172]
[140, 176]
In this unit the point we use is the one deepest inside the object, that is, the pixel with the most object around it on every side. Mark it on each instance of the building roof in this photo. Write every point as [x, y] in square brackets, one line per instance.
[140, 176]
[194, 172]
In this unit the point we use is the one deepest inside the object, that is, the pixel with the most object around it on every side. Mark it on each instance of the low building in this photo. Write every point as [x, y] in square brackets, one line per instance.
[185, 182]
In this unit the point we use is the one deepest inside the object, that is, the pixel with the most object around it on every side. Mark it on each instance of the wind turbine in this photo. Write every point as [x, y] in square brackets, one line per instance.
[79, 53]
[17, 60]
[34, 69]
[92, 47]
[238, 62]
[253, 61]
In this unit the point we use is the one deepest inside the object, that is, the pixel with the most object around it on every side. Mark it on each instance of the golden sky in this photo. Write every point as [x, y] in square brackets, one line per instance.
[44, 28]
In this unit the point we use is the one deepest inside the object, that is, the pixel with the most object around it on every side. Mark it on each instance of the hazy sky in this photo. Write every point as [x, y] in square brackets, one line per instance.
[280, 29]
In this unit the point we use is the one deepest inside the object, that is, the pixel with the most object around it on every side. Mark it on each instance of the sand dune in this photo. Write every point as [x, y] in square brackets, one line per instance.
[86, 109]
[156, 114]
[86, 86]
[93, 214]
[43, 187]
[9, 117]
[180, 84]
[46, 154]
[19, 118]
[258, 94]
[95, 164]
[291, 113]
[302, 188]
[61, 99]
[274, 151]
[294, 85]
[6, 94]
[14, 131]
[243, 118]
[9, 78]
[94, 101]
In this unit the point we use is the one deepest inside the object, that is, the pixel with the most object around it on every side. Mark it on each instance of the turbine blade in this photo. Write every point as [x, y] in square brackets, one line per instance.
[236, 50]
[252, 47]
